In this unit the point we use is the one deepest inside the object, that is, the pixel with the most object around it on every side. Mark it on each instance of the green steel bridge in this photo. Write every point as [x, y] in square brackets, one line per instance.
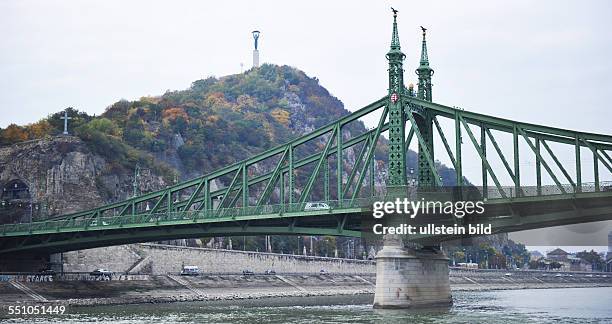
[267, 194]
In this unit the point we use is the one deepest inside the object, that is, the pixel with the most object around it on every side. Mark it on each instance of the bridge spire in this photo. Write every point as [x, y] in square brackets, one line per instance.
[424, 71]
[425, 175]
[424, 58]
[397, 117]
[395, 42]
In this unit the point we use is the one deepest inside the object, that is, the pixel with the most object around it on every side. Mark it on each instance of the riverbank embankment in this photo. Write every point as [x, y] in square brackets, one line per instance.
[207, 287]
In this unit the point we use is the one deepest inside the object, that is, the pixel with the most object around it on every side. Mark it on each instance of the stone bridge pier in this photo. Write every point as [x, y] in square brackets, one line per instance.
[407, 278]
[411, 278]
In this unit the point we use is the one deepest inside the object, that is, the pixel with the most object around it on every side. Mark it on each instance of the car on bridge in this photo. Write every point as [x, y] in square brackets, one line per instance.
[95, 222]
[247, 272]
[316, 206]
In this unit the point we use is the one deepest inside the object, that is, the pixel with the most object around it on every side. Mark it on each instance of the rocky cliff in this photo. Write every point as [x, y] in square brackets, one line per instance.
[58, 175]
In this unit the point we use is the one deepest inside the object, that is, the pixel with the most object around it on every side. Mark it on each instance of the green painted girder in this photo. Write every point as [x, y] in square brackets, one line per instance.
[482, 156]
[556, 197]
[137, 223]
[216, 216]
[76, 242]
[501, 154]
[608, 157]
[458, 142]
[306, 192]
[358, 161]
[428, 155]
[542, 161]
[339, 163]
[274, 177]
[370, 154]
[485, 173]
[596, 154]
[597, 143]
[504, 124]
[559, 165]
[251, 223]
[121, 233]
[232, 215]
[445, 142]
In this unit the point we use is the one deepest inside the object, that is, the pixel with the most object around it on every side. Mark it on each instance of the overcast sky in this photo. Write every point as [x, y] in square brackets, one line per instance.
[538, 61]
[544, 62]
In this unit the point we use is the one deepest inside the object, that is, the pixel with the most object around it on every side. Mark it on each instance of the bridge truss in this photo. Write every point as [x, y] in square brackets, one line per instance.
[268, 193]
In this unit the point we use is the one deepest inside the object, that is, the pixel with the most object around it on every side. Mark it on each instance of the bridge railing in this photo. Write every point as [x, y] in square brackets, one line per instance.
[182, 216]
[546, 190]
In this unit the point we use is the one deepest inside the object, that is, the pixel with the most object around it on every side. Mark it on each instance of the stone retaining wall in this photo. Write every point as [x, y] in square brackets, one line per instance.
[162, 259]
[115, 258]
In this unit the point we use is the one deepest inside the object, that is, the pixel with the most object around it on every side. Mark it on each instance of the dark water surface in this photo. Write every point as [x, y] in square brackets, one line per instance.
[575, 305]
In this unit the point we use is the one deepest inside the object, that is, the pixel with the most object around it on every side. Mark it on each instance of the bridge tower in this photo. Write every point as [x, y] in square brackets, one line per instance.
[405, 277]
[425, 123]
[396, 181]
[424, 71]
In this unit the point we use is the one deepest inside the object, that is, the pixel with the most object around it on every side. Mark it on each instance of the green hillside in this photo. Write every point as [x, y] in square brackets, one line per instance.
[217, 121]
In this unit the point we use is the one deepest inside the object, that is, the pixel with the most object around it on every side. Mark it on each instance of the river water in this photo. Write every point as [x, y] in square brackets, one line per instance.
[575, 305]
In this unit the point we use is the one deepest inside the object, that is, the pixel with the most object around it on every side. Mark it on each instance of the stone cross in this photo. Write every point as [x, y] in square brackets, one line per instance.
[65, 118]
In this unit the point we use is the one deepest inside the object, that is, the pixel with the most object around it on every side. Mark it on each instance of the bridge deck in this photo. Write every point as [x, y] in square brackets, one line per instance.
[341, 219]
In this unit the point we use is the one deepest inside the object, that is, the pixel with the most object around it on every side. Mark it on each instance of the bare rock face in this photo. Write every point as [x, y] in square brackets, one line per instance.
[59, 175]
[73, 178]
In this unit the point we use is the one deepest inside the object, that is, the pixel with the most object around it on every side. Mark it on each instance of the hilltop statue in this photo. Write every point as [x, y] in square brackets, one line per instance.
[256, 50]
[65, 118]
